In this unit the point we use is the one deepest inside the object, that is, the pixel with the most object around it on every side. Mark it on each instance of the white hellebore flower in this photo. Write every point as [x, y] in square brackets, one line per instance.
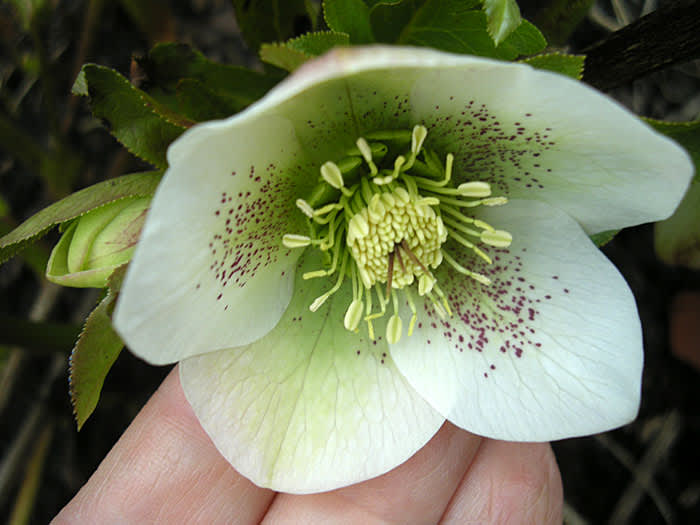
[390, 238]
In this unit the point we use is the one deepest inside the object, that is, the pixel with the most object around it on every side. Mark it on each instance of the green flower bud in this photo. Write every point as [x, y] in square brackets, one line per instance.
[96, 243]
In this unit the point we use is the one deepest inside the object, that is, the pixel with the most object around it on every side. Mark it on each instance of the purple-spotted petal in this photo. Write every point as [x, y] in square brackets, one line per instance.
[210, 271]
[533, 134]
[551, 349]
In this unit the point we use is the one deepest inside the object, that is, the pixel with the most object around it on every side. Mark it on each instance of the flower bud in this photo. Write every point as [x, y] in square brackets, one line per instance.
[96, 243]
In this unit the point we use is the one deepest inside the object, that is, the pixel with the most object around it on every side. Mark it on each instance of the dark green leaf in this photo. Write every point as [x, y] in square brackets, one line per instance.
[271, 20]
[138, 184]
[569, 65]
[281, 56]
[603, 238]
[389, 17]
[174, 72]
[291, 54]
[93, 355]
[503, 17]
[452, 25]
[351, 17]
[143, 125]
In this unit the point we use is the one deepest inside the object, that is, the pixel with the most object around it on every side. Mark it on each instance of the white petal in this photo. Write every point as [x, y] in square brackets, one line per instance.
[537, 135]
[534, 134]
[210, 270]
[310, 407]
[551, 349]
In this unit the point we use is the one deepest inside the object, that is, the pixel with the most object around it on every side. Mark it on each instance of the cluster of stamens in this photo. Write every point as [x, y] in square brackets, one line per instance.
[384, 225]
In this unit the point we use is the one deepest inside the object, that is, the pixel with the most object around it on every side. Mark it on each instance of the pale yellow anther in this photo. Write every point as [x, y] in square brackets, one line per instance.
[358, 226]
[292, 240]
[383, 181]
[477, 189]
[403, 195]
[314, 275]
[481, 278]
[389, 200]
[393, 329]
[483, 225]
[417, 138]
[318, 302]
[497, 238]
[332, 175]
[365, 150]
[305, 208]
[428, 201]
[326, 209]
[376, 209]
[495, 201]
[353, 315]
[425, 284]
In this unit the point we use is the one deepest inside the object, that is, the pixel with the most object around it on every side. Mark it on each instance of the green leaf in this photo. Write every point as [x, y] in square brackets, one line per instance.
[687, 134]
[291, 54]
[452, 25]
[143, 125]
[569, 65]
[272, 20]
[603, 238]
[503, 17]
[351, 17]
[138, 184]
[677, 239]
[190, 84]
[95, 352]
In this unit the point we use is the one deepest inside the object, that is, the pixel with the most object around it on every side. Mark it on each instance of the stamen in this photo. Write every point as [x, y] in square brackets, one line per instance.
[412, 306]
[292, 240]
[305, 208]
[461, 269]
[497, 238]
[332, 175]
[464, 242]
[392, 216]
[474, 189]
[393, 329]
[366, 153]
[417, 138]
[425, 284]
[322, 299]
[353, 315]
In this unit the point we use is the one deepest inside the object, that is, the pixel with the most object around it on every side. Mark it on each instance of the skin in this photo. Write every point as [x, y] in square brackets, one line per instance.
[164, 469]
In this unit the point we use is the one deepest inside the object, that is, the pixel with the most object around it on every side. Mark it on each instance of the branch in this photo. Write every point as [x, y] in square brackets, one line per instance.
[669, 35]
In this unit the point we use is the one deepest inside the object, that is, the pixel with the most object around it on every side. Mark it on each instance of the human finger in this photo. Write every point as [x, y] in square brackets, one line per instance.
[165, 469]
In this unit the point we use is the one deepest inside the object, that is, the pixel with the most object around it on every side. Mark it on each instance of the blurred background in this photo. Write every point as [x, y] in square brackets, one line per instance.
[51, 145]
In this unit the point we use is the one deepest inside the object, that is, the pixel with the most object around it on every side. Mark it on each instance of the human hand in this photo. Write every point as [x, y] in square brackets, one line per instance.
[165, 469]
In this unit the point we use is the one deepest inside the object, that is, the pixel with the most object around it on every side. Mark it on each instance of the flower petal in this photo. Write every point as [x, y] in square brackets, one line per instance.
[551, 349]
[309, 407]
[537, 135]
[534, 134]
[210, 270]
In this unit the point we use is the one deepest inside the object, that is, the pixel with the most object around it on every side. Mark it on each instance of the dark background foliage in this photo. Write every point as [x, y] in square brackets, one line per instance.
[643, 473]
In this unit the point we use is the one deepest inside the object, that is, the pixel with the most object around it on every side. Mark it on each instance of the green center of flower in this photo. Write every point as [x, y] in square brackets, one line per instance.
[382, 220]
